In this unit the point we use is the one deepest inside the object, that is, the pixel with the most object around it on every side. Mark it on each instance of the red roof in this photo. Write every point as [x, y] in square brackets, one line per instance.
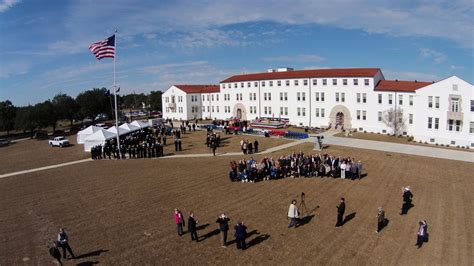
[313, 73]
[400, 85]
[199, 88]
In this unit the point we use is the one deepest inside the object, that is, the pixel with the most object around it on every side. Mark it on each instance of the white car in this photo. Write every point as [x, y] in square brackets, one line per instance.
[59, 141]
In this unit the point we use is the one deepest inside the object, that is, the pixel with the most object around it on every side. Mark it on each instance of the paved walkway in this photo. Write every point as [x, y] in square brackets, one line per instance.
[432, 152]
[328, 139]
[44, 168]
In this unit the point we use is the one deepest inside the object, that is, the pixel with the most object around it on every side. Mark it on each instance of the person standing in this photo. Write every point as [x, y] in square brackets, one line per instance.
[343, 170]
[421, 233]
[340, 212]
[63, 241]
[223, 222]
[407, 198]
[240, 235]
[192, 222]
[54, 252]
[380, 219]
[179, 220]
[255, 146]
[292, 214]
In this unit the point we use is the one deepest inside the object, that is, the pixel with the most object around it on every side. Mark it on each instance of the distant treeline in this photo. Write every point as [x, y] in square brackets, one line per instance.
[88, 104]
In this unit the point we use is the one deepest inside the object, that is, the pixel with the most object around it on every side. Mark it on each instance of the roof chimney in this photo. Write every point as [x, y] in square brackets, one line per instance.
[416, 80]
[396, 80]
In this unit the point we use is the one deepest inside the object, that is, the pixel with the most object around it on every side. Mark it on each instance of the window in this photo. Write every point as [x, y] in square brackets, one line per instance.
[305, 82]
[286, 96]
[222, 86]
[298, 97]
[263, 83]
[317, 96]
[344, 82]
[437, 102]
[279, 83]
[317, 112]
[430, 101]
[203, 108]
[265, 96]
[358, 114]
[281, 110]
[315, 82]
[390, 99]
[248, 84]
[269, 96]
[269, 110]
[265, 109]
[241, 84]
[337, 96]
[322, 96]
[458, 125]
[235, 85]
[356, 82]
[358, 97]
[213, 109]
[436, 123]
[208, 108]
[286, 110]
[430, 122]
[281, 96]
[255, 84]
[325, 82]
[334, 82]
[366, 82]
[298, 111]
[410, 119]
[379, 116]
[207, 98]
[322, 112]
[212, 97]
[271, 83]
[472, 105]
[400, 99]
[296, 82]
[250, 96]
[229, 85]
[380, 98]
[471, 127]
[343, 97]
[364, 97]
[217, 97]
[287, 83]
[454, 105]
[303, 96]
[303, 111]
[410, 100]
[364, 115]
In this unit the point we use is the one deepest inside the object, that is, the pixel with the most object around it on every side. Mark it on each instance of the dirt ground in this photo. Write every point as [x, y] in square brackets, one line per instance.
[29, 154]
[120, 212]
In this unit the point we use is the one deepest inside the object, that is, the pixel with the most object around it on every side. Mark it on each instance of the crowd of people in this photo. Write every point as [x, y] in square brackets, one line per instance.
[295, 165]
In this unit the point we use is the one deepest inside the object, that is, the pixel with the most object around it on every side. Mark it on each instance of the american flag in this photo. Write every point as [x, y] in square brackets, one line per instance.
[104, 49]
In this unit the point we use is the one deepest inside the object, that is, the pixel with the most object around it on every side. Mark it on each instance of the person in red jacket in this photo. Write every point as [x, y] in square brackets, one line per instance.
[179, 220]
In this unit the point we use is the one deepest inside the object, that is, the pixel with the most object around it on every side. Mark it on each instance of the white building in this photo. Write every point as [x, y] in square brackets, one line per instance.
[358, 98]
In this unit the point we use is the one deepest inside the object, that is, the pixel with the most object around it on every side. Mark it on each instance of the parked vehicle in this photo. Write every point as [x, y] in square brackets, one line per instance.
[4, 142]
[59, 141]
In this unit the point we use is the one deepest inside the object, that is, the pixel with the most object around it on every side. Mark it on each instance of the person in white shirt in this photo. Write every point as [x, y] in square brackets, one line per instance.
[343, 170]
[292, 214]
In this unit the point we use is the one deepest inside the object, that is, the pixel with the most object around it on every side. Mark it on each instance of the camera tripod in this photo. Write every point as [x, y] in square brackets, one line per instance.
[302, 207]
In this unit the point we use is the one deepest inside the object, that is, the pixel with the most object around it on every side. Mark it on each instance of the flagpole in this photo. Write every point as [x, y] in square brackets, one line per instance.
[115, 99]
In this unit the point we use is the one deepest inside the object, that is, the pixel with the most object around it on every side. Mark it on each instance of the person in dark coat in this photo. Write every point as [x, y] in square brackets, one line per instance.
[407, 198]
[380, 219]
[54, 252]
[223, 222]
[240, 235]
[192, 222]
[340, 212]
[255, 146]
[63, 241]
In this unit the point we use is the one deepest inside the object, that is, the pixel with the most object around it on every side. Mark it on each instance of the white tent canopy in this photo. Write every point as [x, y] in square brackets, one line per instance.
[129, 127]
[98, 138]
[83, 134]
[122, 131]
[139, 124]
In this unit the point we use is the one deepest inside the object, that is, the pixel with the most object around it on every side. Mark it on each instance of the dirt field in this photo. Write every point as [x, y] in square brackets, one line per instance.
[120, 212]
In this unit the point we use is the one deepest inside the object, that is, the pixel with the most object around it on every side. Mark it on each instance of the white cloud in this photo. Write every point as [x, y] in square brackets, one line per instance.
[301, 58]
[432, 54]
[7, 4]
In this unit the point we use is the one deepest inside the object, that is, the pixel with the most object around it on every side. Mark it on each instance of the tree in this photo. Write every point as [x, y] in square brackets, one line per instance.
[26, 118]
[394, 119]
[47, 115]
[94, 102]
[7, 116]
[66, 107]
[154, 99]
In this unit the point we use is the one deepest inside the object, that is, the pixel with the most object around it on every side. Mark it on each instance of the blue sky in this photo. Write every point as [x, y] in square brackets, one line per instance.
[44, 44]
